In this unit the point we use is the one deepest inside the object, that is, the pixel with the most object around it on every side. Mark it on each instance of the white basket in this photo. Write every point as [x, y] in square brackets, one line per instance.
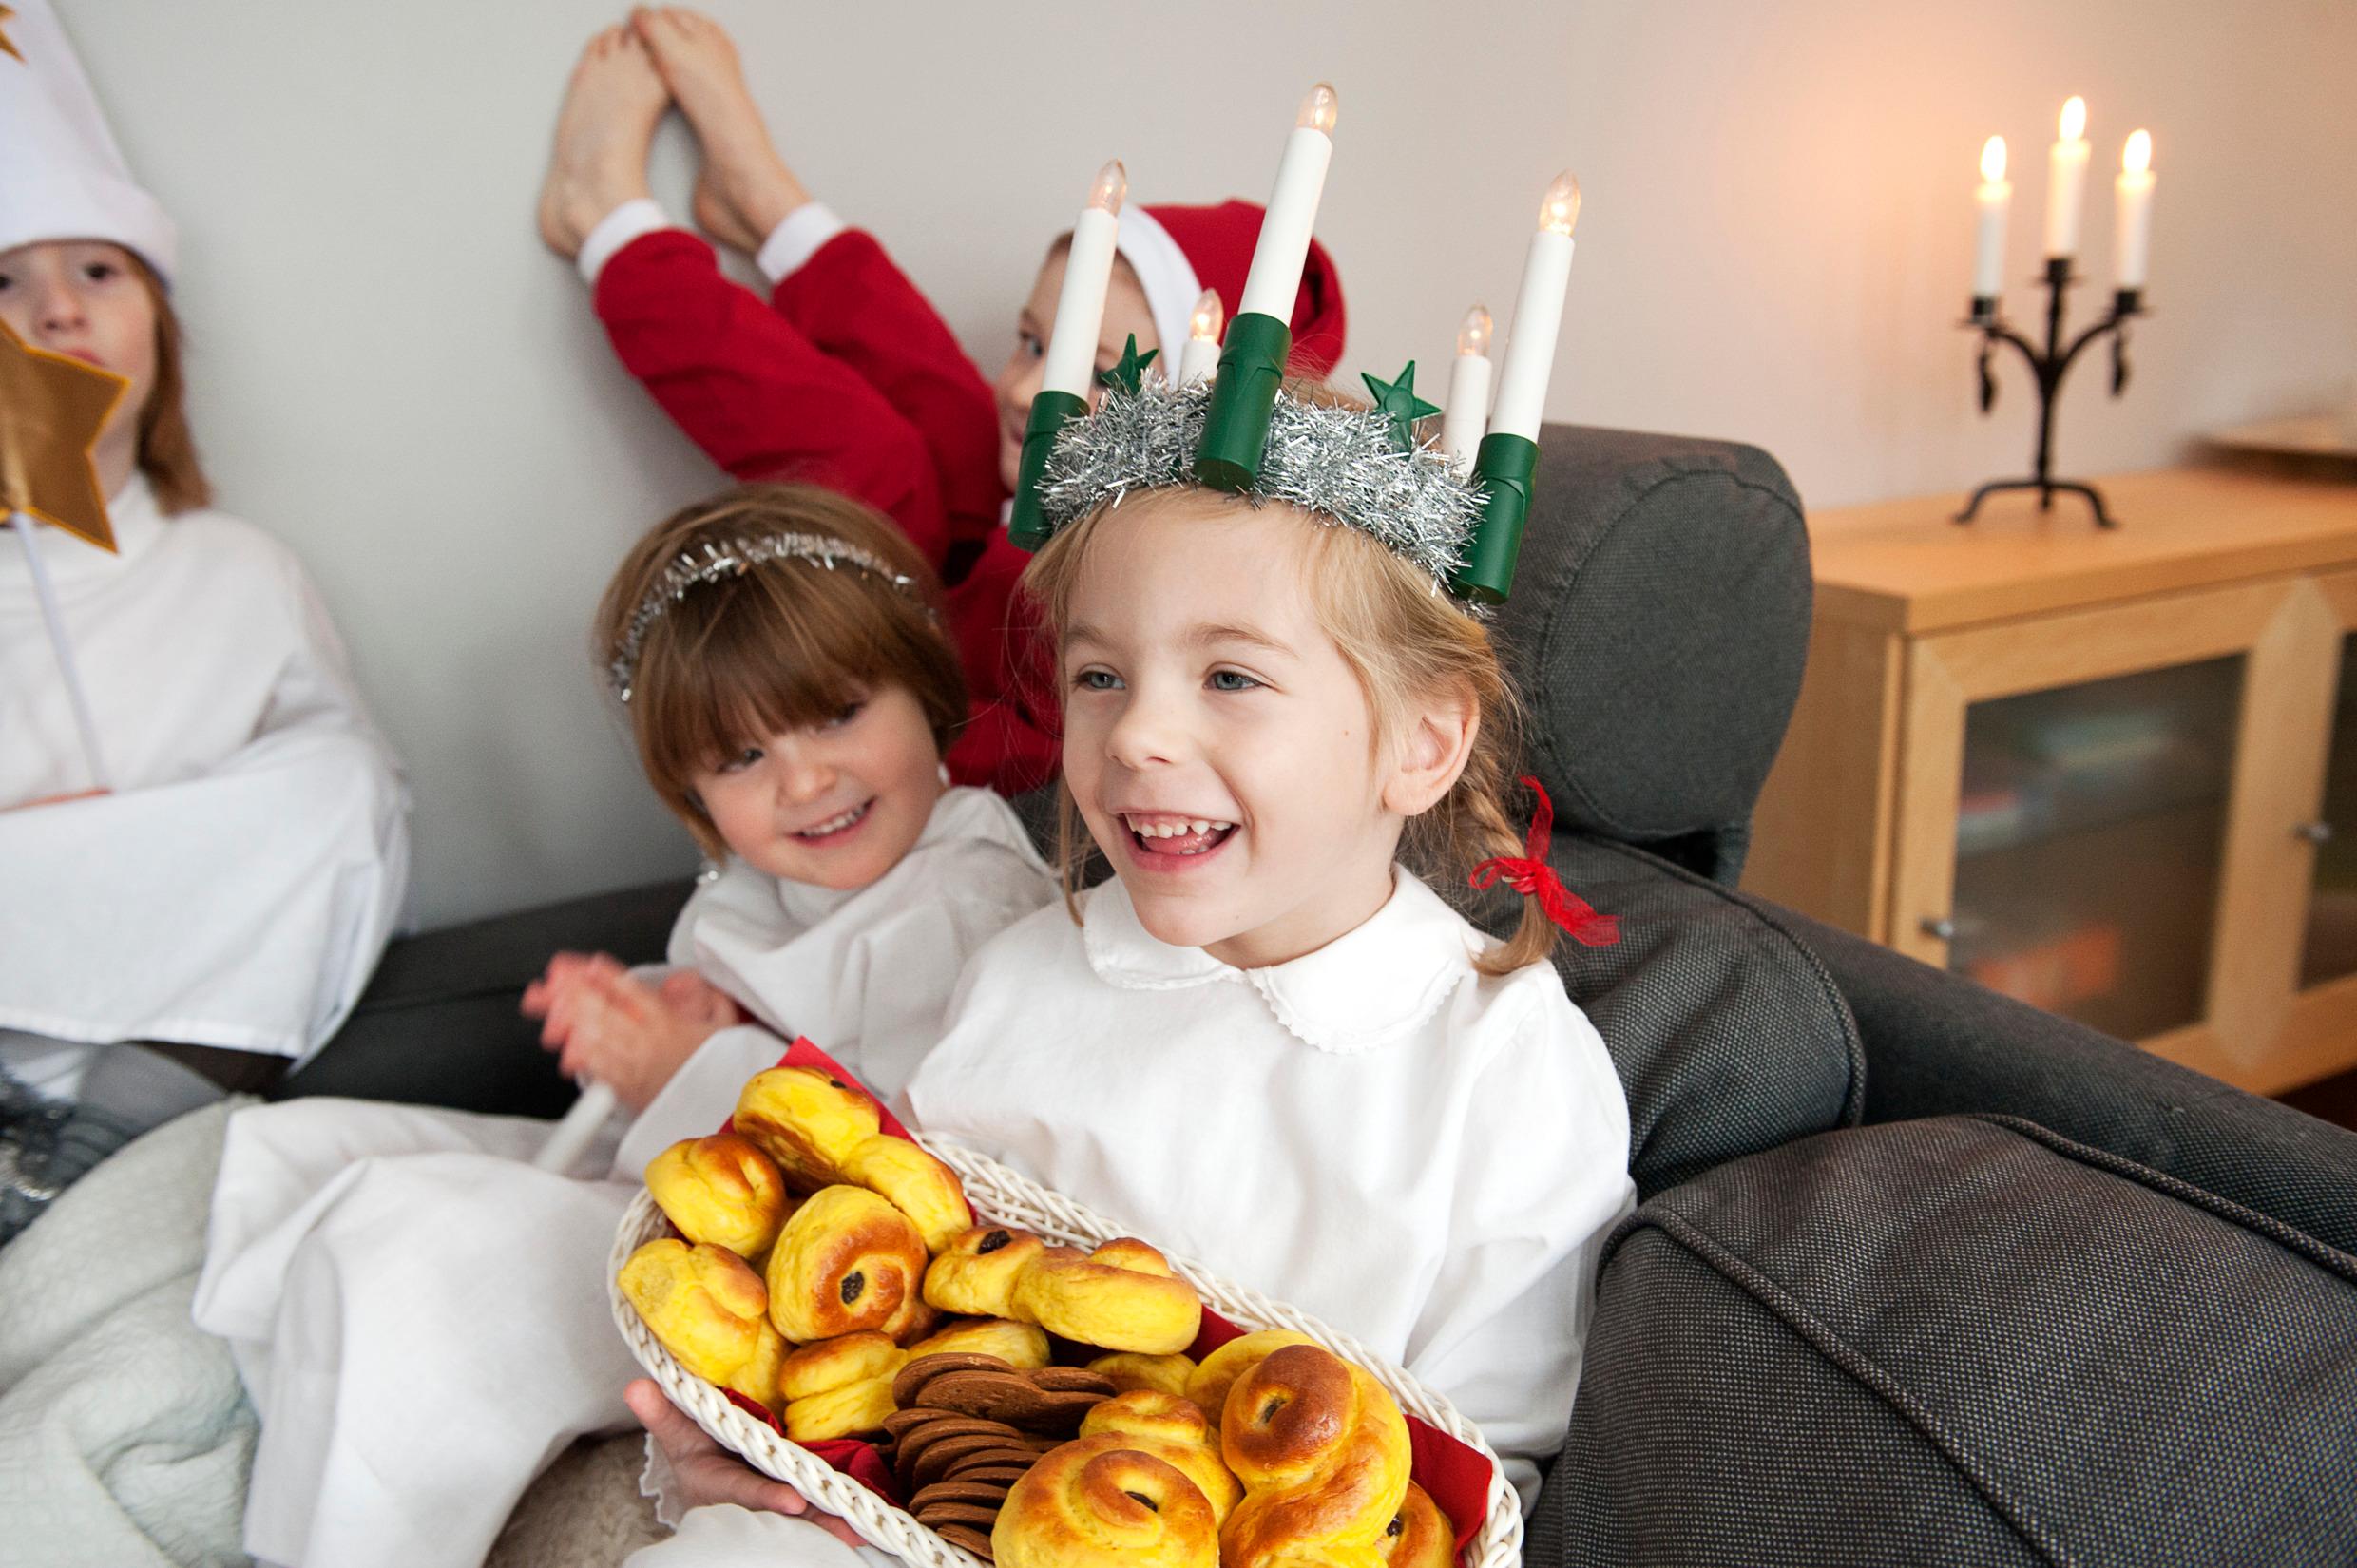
[1002, 1196]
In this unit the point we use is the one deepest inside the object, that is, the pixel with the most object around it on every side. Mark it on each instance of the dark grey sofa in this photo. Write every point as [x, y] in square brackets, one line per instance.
[1855, 1319]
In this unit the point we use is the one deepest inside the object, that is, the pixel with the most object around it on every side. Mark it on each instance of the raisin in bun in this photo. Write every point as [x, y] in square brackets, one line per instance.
[1097, 1503]
[1322, 1450]
[846, 1261]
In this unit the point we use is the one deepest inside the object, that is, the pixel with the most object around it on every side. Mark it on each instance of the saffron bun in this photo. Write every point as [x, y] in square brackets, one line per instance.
[976, 1273]
[707, 1307]
[1097, 1503]
[916, 1183]
[1127, 1370]
[720, 1189]
[1420, 1535]
[1022, 1345]
[1208, 1387]
[846, 1261]
[1171, 1428]
[1323, 1453]
[806, 1121]
[839, 1388]
[1123, 1296]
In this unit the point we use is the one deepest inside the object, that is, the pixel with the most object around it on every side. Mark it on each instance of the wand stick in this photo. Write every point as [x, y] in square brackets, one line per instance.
[54, 620]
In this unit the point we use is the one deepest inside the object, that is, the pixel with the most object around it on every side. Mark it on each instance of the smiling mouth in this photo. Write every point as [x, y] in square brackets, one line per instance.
[1176, 836]
[836, 825]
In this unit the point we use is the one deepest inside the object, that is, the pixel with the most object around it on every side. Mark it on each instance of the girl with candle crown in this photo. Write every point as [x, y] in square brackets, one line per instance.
[844, 375]
[1275, 716]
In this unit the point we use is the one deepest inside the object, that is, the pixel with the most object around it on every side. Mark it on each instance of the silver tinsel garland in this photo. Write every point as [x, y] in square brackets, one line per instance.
[716, 560]
[1339, 463]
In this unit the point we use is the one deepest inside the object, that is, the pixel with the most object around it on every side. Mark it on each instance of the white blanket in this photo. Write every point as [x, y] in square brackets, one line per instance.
[124, 1437]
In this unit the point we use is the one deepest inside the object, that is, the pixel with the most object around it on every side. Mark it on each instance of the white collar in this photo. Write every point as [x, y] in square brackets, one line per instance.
[962, 811]
[136, 524]
[1367, 988]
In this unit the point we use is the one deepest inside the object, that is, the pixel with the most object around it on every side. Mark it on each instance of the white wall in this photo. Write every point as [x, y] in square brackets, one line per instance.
[390, 373]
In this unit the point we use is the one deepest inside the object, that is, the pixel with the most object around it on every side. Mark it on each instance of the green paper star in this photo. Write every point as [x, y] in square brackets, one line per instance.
[1131, 372]
[1400, 404]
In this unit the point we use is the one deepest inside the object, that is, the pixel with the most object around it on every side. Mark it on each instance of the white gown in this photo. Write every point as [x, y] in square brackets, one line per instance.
[1424, 1159]
[421, 1317]
[238, 886]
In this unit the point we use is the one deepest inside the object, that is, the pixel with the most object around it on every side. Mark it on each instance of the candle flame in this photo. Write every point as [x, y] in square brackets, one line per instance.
[1209, 316]
[2136, 156]
[1318, 109]
[1473, 335]
[1559, 208]
[1993, 159]
[2074, 122]
[1110, 189]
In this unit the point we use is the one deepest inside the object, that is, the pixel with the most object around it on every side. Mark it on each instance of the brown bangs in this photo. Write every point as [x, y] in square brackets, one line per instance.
[783, 646]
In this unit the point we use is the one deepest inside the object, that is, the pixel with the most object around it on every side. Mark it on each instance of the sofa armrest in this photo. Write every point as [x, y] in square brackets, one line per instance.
[1937, 1044]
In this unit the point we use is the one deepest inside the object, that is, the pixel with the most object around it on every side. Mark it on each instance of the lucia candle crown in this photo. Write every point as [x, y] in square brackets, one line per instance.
[1343, 463]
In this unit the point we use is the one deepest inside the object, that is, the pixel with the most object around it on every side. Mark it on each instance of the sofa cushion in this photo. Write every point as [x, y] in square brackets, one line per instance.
[1657, 631]
[1960, 1340]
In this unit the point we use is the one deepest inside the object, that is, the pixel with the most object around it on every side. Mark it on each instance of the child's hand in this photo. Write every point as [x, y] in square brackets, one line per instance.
[621, 1033]
[708, 1473]
[554, 997]
[691, 996]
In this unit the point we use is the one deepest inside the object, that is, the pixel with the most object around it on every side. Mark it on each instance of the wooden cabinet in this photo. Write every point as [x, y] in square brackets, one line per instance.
[2114, 774]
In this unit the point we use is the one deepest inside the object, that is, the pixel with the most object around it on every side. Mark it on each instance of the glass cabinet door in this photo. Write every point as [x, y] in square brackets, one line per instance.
[2330, 950]
[2090, 840]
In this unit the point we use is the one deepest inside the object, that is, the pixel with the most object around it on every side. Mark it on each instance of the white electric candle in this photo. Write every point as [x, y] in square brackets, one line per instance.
[1087, 271]
[2132, 237]
[2066, 179]
[1994, 196]
[1538, 314]
[1467, 413]
[1201, 359]
[1284, 242]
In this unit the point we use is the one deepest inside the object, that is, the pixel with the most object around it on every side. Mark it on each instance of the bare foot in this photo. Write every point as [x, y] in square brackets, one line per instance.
[745, 188]
[604, 132]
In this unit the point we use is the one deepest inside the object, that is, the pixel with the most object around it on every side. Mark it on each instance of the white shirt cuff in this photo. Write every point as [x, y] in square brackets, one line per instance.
[796, 240]
[637, 216]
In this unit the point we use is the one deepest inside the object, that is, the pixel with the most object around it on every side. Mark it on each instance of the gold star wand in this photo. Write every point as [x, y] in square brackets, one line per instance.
[52, 411]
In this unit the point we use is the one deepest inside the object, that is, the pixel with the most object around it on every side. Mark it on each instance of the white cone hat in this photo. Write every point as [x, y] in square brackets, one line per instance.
[65, 178]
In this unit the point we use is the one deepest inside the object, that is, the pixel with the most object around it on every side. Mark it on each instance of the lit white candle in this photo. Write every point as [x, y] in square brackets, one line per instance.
[1087, 271]
[1538, 314]
[2066, 179]
[1467, 413]
[1201, 359]
[2132, 237]
[1284, 242]
[1994, 197]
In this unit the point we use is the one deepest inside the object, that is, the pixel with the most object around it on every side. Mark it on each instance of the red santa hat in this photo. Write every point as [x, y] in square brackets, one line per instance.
[1178, 252]
[65, 177]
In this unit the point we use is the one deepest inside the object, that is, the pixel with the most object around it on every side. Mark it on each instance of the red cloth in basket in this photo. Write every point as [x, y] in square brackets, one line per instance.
[1457, 1475]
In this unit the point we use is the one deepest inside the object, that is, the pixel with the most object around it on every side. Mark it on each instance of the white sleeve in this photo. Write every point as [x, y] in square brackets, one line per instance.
[725, 1536]
[1544, 1177]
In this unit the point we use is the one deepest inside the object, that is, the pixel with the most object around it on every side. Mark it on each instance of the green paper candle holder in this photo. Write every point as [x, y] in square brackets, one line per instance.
[1235, 427]
[1027, 525]
[1503, 466]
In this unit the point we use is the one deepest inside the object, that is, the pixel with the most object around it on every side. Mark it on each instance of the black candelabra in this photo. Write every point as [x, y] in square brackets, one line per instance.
[2049, 366]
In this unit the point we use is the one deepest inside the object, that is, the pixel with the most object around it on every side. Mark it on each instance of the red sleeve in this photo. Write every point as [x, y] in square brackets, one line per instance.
[1013, 740]
[852, 302]
[756, 394]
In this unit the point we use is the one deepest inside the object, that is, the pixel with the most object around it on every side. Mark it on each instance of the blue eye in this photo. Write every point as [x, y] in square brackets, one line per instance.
[1096, 680]
[1231, 681]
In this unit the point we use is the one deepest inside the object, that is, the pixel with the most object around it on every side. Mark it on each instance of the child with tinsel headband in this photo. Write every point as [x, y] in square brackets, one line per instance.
[418, 1312]
[1270, 1045]
[845, 376]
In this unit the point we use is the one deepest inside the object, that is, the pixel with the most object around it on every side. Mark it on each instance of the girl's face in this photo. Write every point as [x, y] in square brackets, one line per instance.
[1126, 313]
[84, 298]
[835, 805]
[1217, 742]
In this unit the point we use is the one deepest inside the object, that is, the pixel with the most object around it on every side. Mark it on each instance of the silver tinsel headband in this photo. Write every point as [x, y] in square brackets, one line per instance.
[716, 560]
[1341, 462]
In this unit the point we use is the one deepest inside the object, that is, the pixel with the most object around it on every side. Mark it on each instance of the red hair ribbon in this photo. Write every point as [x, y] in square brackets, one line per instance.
[1531, 876]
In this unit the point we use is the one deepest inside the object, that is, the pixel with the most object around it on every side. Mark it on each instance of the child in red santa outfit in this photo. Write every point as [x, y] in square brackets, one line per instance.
[846, 377]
